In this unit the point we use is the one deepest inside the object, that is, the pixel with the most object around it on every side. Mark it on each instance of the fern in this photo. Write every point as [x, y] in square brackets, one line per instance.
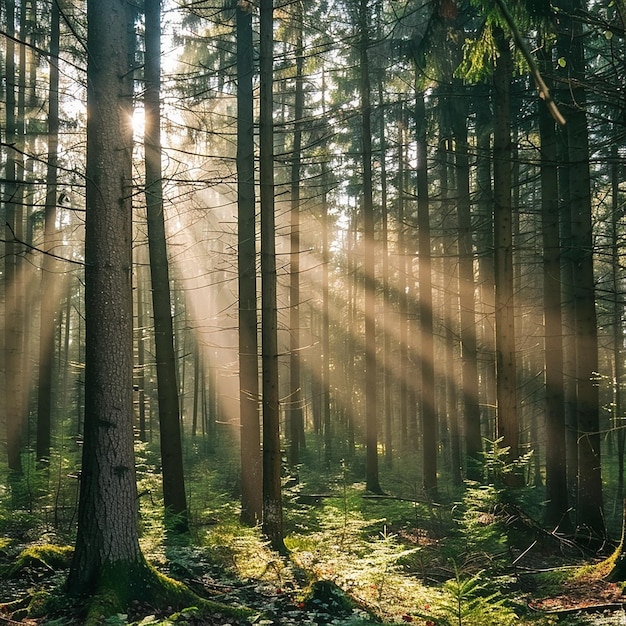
[469, 601]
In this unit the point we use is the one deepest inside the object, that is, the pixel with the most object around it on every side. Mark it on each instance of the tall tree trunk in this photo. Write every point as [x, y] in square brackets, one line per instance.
[369, 261]
[169, 410]
[430, 436]
[295, 383]
[107, 543]
[272, 504]
[50, 282]
[251, 469]
[618, 316]
[589, 509]
[450, 304]
[12, 332]
[486, 267]
[468, 331]
[325, 343]
[403, 304]
[387, 313]
[556, 465]
[508, 425]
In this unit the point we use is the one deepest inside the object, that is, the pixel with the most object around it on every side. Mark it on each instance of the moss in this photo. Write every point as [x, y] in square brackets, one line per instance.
[122, 583]
[48, 556]
[5, 542]
[326, 595]
[38, 605]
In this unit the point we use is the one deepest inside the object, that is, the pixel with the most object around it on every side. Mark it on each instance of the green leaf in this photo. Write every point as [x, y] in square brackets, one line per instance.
[562, 62]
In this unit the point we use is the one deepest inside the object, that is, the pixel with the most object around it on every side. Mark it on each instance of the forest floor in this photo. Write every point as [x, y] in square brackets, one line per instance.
[477, 559]
[551, 587]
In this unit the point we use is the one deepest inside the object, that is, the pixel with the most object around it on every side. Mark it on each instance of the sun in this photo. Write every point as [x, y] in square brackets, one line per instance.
[138, 122]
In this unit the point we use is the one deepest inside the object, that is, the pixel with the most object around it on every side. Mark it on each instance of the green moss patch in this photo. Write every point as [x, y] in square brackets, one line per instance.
[45, 556]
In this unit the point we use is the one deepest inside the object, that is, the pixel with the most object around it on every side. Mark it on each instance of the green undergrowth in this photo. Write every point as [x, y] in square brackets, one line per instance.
[354, 558]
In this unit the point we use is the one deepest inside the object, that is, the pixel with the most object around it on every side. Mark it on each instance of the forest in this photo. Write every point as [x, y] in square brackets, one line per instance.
[313, 312]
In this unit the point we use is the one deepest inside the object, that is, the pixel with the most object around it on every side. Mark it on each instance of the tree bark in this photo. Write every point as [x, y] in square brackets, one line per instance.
[250, 449]
[369, 264]
[12, 334]
[507, 417]
[272, 504]
[589, 508]
[174, 495]
[468, 331]
[107, 539]
[430, 436]
[50, 281]
[556, 465]
[295, 383]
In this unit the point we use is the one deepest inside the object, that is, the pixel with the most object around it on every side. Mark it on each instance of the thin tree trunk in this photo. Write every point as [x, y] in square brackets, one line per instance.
[50, 281]
[369, 264]
[468, 330]
[12, 333]
[169, 410]
[450, 304]
[430, 436]
[618, 315]
[403, 305]
[508, 425]
[486, 268]
[250, 446]
[326, 385]
[140, 333]
[272, 504]
[295, 383]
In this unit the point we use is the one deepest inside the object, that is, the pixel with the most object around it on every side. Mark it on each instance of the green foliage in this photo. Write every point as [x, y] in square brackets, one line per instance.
[479, 57]
[471, 601]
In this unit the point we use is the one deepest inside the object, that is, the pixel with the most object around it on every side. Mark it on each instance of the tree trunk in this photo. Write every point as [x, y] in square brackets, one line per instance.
[403, 304]
[507, 417]
[589, 509]
[371, 408]
[430, 436]
[325, 343]
[12, 333]
[272, 504]
[169, 417]
[140, 334]
[468, 331]
[450, 304]
[618, 314]
[486, 268]
[107, 542]
[556, 466]
[295, 383]
[50, 281]
[251, 470]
